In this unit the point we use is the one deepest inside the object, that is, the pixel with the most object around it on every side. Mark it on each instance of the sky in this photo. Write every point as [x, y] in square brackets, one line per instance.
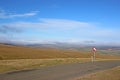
[72, 21]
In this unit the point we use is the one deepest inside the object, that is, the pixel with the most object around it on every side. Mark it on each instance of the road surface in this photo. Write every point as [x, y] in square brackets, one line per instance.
[60, 72]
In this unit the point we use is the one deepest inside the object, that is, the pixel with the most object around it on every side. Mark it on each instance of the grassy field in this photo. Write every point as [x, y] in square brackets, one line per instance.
[14, 58]
[8, 52]
[111, 74]
[23, 64]
[112, 52]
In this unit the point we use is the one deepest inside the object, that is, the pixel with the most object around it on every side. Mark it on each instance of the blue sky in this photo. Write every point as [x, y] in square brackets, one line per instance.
[71, 21]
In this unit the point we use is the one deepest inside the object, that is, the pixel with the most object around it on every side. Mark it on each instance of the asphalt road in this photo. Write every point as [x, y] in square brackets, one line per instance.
[60, 72]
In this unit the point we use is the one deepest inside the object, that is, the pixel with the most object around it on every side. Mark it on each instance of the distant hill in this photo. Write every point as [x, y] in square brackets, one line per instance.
[24, 52]
[102, 49]
[65, 45]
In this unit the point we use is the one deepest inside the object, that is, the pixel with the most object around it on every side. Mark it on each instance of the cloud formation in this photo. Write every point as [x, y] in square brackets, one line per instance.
[45, 23]
[5, 15]
[60, 29]
[85, 28]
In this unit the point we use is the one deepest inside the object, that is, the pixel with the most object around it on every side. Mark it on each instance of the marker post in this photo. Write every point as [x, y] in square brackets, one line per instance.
[94, 54]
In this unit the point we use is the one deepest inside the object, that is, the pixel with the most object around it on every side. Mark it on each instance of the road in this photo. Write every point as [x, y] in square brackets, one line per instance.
[60, 72]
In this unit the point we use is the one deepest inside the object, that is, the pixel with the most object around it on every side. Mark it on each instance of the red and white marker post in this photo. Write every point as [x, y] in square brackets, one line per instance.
[94, 54]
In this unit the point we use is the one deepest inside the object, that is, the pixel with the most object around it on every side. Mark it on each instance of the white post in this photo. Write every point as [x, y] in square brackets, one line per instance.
[94, 56]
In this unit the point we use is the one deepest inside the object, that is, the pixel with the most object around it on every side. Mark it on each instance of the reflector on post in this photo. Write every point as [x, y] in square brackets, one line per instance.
[94, 49]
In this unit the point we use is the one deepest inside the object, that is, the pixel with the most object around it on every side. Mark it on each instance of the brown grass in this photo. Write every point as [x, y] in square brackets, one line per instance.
[21, 64]
[19, 57]
[111, 74]
[20, 52]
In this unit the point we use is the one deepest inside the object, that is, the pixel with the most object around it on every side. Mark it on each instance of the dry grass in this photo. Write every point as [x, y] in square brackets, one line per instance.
[21, 64]
[111, 74]
[19, 57]
[19, 52]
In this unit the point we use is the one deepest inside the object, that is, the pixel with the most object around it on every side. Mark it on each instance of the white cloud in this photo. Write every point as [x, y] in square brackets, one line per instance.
[64, 23]
[78, 27]
[23, 15]
[74, 31]
[52, 23]
[6, 15]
